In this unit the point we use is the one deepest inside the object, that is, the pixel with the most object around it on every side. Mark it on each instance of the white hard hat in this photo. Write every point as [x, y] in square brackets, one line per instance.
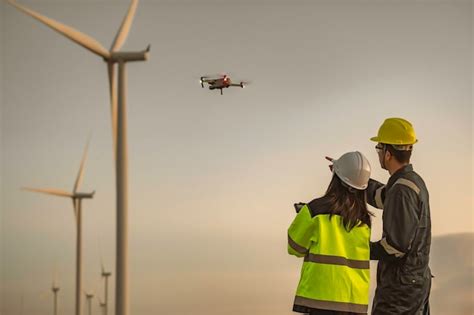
[353, 168]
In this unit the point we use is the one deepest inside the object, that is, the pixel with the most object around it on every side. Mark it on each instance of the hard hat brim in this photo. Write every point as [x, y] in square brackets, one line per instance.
[377, 139]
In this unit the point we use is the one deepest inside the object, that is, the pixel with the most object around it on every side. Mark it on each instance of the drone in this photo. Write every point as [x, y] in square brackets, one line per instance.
[219, 82]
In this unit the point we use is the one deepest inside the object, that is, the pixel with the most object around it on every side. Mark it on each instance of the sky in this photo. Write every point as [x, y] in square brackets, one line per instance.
[213, 178]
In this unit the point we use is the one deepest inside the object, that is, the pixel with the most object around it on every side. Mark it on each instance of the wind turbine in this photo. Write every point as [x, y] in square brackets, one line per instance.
[119, 128]
[102, 306]
[76, 197]
[55, 290]
[21, 302]
[105, 275]
[89, 297]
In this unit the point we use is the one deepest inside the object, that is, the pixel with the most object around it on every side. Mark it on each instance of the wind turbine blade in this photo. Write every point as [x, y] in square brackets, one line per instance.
[80, 174]
[55, 275]
[102, 265]
[74, 204]
[50, 191]
[102, 268]
[113, 103]
[122, 34]
[74, 35]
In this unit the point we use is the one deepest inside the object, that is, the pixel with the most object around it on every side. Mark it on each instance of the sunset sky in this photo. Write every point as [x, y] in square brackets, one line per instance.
[213, 178]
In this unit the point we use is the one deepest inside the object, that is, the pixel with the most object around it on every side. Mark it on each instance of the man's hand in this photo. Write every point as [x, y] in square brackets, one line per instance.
[330, 159]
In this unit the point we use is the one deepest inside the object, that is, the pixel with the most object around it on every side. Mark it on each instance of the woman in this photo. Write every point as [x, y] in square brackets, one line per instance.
[332, 233]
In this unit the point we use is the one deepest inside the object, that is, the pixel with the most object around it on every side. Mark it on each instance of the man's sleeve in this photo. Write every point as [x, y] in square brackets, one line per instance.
[300, 233]
[375, 194]
[400, 221]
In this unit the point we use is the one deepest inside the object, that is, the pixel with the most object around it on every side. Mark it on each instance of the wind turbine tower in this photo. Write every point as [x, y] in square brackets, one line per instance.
[106, 275]
[102, 306]
[55, 290]
[89, 297]
[119, 128]
[21, 303]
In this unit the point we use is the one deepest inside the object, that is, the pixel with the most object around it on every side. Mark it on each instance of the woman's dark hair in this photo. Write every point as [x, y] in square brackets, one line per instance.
[348, 202]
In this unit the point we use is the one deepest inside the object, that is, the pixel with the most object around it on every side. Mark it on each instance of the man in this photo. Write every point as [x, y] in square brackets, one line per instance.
[403, 275]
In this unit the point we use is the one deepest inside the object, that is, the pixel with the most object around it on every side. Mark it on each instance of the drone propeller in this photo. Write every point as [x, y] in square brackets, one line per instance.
[242, 84]
[215, 76]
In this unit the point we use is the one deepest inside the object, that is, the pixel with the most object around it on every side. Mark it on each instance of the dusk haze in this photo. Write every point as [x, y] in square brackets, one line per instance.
[182, 195]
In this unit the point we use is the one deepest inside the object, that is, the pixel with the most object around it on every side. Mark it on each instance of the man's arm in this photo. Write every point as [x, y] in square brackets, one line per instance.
[375, 194]
[400, 222]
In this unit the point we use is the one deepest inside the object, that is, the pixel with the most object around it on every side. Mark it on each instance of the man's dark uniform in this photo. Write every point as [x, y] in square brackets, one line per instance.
[403, 275]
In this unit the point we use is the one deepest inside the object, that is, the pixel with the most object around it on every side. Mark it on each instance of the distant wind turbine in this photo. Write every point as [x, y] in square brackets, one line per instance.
[89, 297]
[102, 306]
[55, 289]
[105, 274]
[76, 197]
[119, 128]
[21, 302]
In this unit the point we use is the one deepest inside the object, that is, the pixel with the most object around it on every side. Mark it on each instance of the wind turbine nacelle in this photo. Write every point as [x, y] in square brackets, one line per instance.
[127, 56]
[84, 195]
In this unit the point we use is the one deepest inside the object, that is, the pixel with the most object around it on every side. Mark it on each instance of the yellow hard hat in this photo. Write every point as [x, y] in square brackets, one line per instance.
[397, 131]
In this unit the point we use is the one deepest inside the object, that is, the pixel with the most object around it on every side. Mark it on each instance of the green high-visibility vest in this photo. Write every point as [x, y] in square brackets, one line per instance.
[335, 273]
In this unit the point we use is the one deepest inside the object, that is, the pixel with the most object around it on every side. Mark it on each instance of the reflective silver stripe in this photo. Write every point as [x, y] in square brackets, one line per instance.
[300, 249]
[409, 183]
[390, 249]
[338, 260]
[378, 197]
[331, 305]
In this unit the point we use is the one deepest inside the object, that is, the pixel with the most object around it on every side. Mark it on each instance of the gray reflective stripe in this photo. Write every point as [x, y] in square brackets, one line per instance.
[390, 249]
[378, 197]
[300, 249]
[331, 305]
[338, 260]
[409, 183]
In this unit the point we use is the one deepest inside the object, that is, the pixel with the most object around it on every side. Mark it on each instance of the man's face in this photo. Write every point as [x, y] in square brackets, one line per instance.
[380, 148]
